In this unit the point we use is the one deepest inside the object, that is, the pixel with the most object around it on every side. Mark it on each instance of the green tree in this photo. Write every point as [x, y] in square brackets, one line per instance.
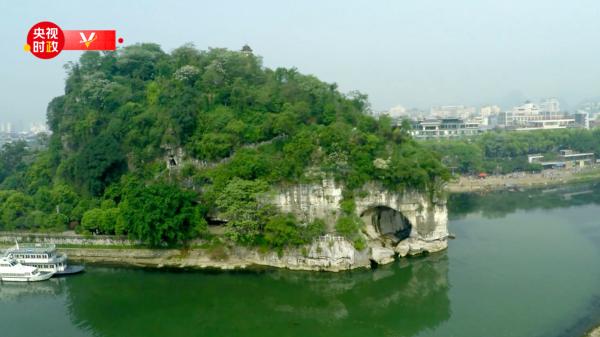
[282, 230]
[160, 213]
[11, 158]
[14, 209]
[241, 206]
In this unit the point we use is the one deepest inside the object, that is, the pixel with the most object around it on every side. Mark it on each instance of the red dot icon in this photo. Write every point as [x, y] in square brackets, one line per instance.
[120, 40]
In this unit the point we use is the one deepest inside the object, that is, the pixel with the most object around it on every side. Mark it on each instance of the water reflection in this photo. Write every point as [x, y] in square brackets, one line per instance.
[397, 300]
[22, 291]
[499, 204]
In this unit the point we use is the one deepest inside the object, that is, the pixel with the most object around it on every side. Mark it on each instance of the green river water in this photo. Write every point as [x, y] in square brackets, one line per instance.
[522, 264]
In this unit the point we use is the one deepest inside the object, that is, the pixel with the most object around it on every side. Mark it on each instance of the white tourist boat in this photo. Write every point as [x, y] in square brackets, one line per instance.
[42, 256]
[13, 271]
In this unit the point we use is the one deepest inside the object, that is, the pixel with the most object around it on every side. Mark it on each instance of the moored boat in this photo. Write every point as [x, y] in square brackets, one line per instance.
[13, 271]
[42, 256]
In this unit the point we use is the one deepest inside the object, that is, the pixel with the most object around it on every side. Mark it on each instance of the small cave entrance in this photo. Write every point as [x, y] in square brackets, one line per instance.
[172, 161]
[388, 222]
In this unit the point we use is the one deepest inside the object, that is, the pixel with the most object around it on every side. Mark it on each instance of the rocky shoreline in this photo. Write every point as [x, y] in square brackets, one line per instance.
[329, 253]
[523, 180]
[594, 332]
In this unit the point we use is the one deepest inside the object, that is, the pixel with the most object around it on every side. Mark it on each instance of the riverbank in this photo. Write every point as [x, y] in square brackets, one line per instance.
[220, 258]
[159, 258]
[522, 180]
[328, 253]
[594, 333]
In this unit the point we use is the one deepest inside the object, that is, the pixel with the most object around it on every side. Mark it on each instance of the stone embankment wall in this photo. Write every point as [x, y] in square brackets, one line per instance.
[328, 253]
[66, 238]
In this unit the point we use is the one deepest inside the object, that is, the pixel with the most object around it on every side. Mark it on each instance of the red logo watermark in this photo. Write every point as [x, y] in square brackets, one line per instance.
[46, 40]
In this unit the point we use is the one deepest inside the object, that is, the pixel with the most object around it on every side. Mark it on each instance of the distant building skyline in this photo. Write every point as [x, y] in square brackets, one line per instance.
[35, 127]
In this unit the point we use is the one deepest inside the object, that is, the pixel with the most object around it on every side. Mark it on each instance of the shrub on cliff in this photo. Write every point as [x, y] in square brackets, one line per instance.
[284, 229]
[349, 226]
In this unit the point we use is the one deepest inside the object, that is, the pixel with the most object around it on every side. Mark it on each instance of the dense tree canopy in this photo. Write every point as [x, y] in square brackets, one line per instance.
[503, 152]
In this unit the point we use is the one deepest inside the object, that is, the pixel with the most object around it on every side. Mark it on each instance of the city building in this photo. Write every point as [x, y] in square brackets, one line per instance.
[534, 158]
[576, 159]
[546, 115]
[519, 116]
[489, 110]
[547, 124]
[31, 136]
[593, 110]
[445, 128]
[582, 119]
[5, 128]
[37, 128]
[566, 159]
[459, 120]
[550, 106]
[481, 120]
[397, 112]
[452, 111]
[526, 109]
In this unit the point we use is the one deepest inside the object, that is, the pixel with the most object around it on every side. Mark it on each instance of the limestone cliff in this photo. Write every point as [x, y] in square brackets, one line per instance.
[403, 223]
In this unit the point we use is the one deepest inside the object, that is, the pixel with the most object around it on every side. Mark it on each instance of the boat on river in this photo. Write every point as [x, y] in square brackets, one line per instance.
[42, 256]
[13, 271]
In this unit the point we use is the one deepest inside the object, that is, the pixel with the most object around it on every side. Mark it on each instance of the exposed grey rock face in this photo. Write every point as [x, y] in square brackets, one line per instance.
[411, 246]
[406, 223]
[382, 255]
[311, 201]
[329, 252]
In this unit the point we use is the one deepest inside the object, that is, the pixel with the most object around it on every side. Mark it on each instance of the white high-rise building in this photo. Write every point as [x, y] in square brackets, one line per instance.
[526, 109]
[550, 105]
[397, 111]
[449, 111]
[37, 128]
[489, 110]
[8, 128]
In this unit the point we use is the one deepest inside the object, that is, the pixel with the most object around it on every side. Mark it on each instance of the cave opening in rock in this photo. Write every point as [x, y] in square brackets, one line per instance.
[388, 222]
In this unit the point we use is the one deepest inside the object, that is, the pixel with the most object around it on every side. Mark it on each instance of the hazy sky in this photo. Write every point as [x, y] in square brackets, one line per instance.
[413, 53]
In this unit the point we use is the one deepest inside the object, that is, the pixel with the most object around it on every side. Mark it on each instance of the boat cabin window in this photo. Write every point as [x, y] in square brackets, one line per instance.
[13, 263]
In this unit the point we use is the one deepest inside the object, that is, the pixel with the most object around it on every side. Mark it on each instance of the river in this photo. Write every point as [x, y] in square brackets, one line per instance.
[522, 264]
